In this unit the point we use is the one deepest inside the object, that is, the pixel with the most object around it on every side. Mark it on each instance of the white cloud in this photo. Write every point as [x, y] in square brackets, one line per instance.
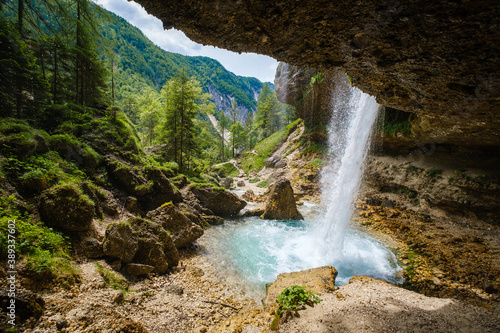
[245, 64]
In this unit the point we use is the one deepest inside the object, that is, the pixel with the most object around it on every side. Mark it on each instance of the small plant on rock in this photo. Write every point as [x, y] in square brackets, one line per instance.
[291, 300]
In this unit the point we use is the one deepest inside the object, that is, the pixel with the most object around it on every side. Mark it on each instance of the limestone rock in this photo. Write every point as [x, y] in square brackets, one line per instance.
[91, 248]
[280, 164]
[254, 212]
[27, 305]
[183, 231]
[280, 204]
[320, 279]
[271, 161]
[65, 207]
[156, 247]
[120, 242]
[137, 269]
[213, 219]
[227, 182]
[403, 53]
[249, 195]
[163, 191]
[217, 200]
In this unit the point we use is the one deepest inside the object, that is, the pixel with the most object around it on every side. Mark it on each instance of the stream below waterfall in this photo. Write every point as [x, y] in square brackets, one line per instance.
[252, 252]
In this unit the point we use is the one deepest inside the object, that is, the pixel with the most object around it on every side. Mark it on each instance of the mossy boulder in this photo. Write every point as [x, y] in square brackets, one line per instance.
[219, 201]
[19, 139]
[120, 241]
[182, 230]
[280, 204]
[163, 190]
[225, 170]
[70, 148]
[156, 247]
[66, 207]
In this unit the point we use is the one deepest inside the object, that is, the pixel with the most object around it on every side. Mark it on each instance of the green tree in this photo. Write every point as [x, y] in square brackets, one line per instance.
[223, 125]
[22, 87]
[182, 96]
[149, 116]
[238, 136]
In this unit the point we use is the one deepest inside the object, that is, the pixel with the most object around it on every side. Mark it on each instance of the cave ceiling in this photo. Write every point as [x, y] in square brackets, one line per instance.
[438, 59]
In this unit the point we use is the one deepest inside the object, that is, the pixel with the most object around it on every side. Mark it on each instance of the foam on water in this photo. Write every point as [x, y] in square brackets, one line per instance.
[253, 252]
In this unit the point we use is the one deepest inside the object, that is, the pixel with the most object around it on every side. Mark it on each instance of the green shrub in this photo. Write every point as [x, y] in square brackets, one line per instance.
[292, 299]
[254, 180]
[396, 121]
[432, 172]
[46, 251]
[112, 280]
[263, 184]
[226, 170]
[316, 163]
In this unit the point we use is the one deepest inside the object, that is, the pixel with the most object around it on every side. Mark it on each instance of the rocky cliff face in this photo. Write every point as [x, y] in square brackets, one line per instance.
[225, 102]
[437, 59]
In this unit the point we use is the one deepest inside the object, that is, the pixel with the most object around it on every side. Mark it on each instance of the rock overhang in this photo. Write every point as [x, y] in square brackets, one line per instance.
[437, 59]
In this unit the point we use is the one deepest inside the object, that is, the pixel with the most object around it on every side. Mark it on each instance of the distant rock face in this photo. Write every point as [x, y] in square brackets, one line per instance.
[280, 204]
[183, 231]
[220, 202]
[65, 207]
[320, 279]
[438, 59]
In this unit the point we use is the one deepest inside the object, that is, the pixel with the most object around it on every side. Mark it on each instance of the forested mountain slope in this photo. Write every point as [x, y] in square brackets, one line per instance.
[140, 63]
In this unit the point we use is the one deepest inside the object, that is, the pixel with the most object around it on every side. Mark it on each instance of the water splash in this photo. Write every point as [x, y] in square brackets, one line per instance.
[251, 252]
[354, 115]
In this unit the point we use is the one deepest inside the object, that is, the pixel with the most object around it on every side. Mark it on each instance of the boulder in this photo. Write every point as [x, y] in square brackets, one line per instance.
[248, 196]
[65, 207]
[213, 219]
[254, 212]
[131, 205]
[91, 248]
[320, 279]
[163, 191]
[225, 169]
[280, 204]
[120, 242]
[219, 201]
[27, 305]
[240, 183]
[156, 247]
[280, 165]
[227, 182]
[192, 214]
[182, 230]
[137, 269]
[271, 161]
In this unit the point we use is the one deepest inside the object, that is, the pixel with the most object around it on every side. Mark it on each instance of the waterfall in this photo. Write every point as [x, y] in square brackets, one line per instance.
[252, 252]
[354, 114]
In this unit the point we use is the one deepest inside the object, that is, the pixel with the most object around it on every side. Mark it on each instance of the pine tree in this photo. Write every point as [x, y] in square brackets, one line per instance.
[22, 87]
[181, 96]
[223, 126]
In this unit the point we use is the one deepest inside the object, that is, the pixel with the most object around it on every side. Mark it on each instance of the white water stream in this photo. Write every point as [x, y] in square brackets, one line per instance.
[253, 252]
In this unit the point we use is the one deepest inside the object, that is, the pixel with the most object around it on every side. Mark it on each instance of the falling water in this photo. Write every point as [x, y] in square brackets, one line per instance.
[354, 114]
[251, 252]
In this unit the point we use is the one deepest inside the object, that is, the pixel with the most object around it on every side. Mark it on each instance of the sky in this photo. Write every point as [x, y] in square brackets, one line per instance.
[245, 64]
